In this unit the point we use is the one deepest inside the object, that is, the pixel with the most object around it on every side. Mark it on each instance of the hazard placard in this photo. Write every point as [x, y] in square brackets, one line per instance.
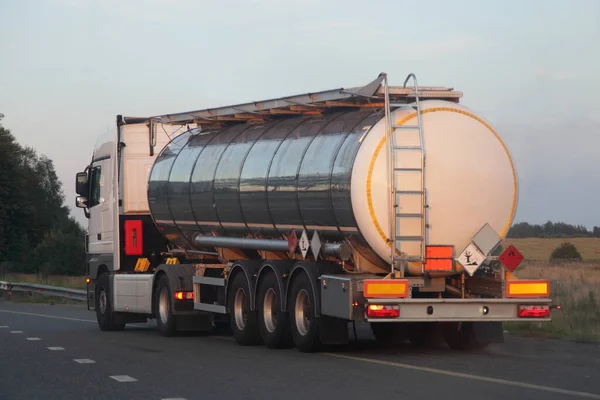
[471, 258]
[511, 258]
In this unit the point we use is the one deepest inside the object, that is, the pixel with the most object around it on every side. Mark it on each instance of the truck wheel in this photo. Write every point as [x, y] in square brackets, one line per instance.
[243, 320]
[461, 336]
[421, 334]
[272, 322]
[304, 324]
[104, 310]
[165, 320]
[389, 332]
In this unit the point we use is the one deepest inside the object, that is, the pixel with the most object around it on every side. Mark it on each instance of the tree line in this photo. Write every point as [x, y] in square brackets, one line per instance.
[37, 234]
[552, 230]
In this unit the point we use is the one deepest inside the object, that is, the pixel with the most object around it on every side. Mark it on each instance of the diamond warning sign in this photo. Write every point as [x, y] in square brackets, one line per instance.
[511, 258]
[471, 258]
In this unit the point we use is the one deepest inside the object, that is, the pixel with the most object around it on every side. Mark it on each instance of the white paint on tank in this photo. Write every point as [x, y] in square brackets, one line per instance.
[470, 177]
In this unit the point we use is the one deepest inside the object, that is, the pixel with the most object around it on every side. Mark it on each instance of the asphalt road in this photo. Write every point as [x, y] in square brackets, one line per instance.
[58, 352]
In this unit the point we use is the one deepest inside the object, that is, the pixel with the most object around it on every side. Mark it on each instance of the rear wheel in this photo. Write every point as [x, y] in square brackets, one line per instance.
[243, 321]
[303, 321]
[165, 320]
[273, 323]
[461, 336]
[421, 334]
[104, 308]
[389, 332]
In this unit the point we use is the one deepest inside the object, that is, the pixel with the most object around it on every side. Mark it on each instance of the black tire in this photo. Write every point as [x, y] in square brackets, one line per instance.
[165, 320]
[273, 323]
[390, 333]
[461, 336]
[303, 322]
[105, 314]
[421, 334]
[245, 327]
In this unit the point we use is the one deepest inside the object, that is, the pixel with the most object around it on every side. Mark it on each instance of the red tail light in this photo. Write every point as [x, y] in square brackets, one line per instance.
[534, 311]
[184, 295]
[380, 311]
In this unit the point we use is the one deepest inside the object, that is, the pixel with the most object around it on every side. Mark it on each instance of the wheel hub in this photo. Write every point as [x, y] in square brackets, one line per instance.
[163, 306]
[302, 312]
[239, 311]
[270, 310]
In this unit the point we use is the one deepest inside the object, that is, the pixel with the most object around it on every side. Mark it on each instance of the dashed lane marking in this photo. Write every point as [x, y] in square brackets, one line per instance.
[84, 361]
[48, 316]
[55, 348]
[469, 376]
[16, 331]
[33, 338]
[3, 326]
[123, 378]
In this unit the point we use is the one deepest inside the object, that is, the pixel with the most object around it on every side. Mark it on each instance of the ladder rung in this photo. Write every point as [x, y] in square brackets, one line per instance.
[406, 127]
[410, 238]
[419, 192]
[409, 215]
[408, 148]
[407, 169]
[409, 259]
[403, 105]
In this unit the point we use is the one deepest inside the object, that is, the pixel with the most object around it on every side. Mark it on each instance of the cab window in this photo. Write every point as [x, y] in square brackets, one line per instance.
[95, 186]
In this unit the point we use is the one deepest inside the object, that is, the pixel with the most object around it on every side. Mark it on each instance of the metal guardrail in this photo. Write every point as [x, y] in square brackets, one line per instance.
[46, 290]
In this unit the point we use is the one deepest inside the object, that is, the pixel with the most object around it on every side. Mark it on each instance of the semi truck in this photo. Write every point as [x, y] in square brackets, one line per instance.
[287, 220]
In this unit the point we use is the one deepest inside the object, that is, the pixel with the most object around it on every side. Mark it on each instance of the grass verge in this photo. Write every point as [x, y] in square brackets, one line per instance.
[576, 288]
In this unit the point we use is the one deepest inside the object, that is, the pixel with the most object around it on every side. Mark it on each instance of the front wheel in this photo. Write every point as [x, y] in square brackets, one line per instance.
[165, 320]
[303, 321]
[104, 308]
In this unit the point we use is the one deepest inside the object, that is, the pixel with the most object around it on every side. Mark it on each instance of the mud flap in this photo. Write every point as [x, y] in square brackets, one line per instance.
[333, 330]
[490, 332]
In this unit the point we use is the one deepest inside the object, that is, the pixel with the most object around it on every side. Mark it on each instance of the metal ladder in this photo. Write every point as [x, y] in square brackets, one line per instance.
[408, 200]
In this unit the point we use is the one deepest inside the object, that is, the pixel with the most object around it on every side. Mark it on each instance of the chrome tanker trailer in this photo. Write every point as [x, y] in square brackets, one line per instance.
[289, 218]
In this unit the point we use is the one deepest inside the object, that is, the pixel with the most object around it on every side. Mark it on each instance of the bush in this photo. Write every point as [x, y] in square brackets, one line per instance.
[566, 251]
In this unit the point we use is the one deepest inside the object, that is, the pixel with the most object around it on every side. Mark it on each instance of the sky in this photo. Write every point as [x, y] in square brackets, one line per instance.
[68, 67]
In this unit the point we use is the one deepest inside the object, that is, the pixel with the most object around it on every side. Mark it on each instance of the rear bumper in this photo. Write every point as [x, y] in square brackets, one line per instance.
[442, 310]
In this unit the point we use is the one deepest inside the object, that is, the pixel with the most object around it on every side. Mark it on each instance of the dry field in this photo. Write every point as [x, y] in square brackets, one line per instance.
[540, 249]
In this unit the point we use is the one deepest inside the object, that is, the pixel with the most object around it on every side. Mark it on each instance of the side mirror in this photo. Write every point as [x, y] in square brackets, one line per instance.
[81, 202]
[81, 184]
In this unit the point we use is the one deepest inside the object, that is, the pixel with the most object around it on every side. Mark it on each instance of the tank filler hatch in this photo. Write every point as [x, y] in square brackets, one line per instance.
[372, 96]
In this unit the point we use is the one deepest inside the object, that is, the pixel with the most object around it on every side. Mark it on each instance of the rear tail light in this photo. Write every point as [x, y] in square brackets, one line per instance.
[381, 311]
[184, 295]
[535, 311]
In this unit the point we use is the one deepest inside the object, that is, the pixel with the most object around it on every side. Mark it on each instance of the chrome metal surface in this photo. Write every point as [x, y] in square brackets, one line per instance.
[262, 179]
[270, 310]
[102, 301]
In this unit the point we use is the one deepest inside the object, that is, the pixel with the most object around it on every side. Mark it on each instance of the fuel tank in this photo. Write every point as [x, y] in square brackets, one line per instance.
[329, 174]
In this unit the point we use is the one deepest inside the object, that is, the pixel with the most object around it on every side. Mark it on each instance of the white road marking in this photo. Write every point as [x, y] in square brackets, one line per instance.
[3, 326]
[33, 338]
[469, 376]
[49, 316]
[123, 378]
[55, 348]
[173, 398]
[16, 331]
[84, 361]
